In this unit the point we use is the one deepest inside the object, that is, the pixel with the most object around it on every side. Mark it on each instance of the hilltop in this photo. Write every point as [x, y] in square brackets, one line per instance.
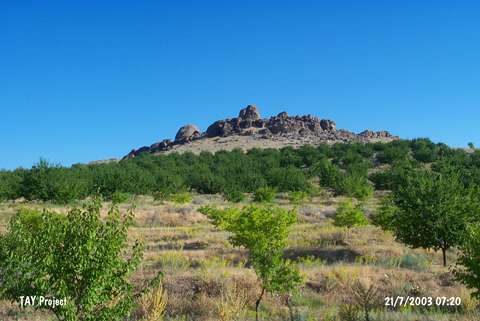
[249, 130]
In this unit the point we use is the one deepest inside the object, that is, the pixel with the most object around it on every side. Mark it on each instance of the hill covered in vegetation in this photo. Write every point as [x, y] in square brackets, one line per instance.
[354, 169]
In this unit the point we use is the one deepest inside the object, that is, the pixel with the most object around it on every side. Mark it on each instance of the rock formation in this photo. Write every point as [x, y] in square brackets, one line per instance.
[186, 134]
[249, 123]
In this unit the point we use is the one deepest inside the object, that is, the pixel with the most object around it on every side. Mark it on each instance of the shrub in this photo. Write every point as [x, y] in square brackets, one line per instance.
[433, 209]
[328, 174]
[298, 197]
[119, 197]
[181, 198]
[354, 185]
[349, 215]
[412, 261]
[153, 304]
[263, 231]
[349, 312]
[385, 214]
[381, 179]
[10, 184]
[89, 252]
[468, 270]
[234, 195]
[264, 194]
[161, 196]
[288, 179]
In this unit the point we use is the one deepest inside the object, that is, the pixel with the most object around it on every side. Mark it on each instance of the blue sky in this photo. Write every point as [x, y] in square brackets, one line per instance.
[88, 80]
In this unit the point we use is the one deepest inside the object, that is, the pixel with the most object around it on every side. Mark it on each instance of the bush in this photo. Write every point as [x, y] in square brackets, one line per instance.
[161, 196]
[349, 215]
[433, 209]
[263, 231]
[234, 195]
[10, 184]
[119, 197]
[354, 185]
[327, 173]
[87, 250]
[468, 270]
[264, 195]
[341, 168]
[298, 197]
[412, 261]
[181, 198]
[385, 214]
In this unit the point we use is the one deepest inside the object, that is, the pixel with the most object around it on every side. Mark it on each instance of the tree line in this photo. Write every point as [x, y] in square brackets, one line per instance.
[348, 169]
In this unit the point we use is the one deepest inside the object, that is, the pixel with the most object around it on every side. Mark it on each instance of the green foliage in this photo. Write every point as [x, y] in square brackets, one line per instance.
[78, 256]
[385, 214]
[395, 151]
[10, 184]
[288, 179]
[328, 173]
[354, 185]
[433, 209]
[263, 231]
[352, 181]
[298, 197]
[413, 261]
[468, 271]
[265, 194]
[234, 195]
[342, 168]
[51, 182]
[424, 150]
[119, 197]
[161, 196]
[181, 198]
[349, 215]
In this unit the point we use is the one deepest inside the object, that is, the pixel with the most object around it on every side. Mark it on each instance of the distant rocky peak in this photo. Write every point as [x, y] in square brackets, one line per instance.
[249, 113]
[249, 123]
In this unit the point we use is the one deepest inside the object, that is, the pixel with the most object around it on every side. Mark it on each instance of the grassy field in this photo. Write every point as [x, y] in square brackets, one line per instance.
[207, 279]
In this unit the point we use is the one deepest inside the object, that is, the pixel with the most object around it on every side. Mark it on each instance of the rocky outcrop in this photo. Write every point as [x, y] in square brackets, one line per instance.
[187, 133]
[369, 134]
[249, 123]
[249, 113]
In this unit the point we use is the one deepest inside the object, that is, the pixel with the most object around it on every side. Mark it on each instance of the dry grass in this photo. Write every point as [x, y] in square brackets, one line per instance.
[207, 279]
[153, 304]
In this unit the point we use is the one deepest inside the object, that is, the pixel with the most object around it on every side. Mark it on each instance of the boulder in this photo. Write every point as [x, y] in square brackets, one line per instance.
[187, 133]
[161, 146]
[282, 115]
[370, 134]
[328, 125]
[220, 128]
[249, 113]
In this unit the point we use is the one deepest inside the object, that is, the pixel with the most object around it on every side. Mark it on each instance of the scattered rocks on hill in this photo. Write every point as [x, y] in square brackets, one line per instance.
[375, 135]
[281, 126]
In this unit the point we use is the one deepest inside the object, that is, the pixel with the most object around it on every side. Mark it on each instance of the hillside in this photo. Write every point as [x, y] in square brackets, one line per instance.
[362, 207]
[249, 130]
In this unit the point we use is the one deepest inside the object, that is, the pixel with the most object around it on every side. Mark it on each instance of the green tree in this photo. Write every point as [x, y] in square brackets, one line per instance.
[433, 209]
[263, 231]
[468, 271]
[264, 194]
[385, 214]
[234, 195]
[349, 215]
[298, 197]
[80, 257]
